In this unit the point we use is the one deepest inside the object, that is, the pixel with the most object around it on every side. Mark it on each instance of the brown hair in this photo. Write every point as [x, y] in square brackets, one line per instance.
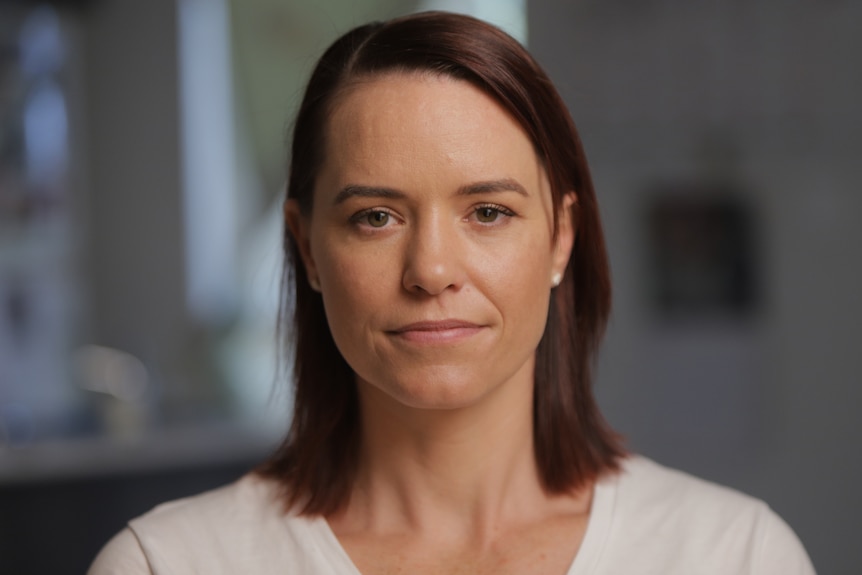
[318, 459]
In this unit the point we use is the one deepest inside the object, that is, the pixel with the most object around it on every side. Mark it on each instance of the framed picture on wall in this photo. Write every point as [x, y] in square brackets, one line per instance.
[701, 246]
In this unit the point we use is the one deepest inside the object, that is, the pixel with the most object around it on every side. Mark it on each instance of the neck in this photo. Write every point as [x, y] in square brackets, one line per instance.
[462, 472]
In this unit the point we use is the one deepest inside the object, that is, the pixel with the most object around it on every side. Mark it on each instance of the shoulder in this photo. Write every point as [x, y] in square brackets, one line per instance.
[242, 527]
[214, 514]
[644, 486]
[122, 554]
[675, 519]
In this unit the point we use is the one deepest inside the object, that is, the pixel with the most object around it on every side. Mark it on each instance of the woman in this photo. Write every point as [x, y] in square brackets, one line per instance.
[450, 280]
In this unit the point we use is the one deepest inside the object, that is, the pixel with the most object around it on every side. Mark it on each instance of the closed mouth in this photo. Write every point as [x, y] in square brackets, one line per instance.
[443, 331]
[442, 325]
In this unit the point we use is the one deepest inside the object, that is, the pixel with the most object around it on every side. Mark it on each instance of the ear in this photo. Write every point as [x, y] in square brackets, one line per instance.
[566, 232]
[298, 225]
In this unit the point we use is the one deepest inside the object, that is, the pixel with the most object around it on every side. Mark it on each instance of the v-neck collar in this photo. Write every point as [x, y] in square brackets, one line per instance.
[586, 560]
[598, 526]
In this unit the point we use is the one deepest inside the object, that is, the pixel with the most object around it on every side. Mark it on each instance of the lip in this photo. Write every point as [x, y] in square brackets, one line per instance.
[442, 331]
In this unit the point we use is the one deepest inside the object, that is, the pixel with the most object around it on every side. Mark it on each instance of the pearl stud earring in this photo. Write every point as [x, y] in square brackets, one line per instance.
[555, 281]
[315, 285]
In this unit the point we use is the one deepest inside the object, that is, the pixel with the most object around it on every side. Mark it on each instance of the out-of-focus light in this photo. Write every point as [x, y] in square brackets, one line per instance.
[112, 372]
[45, 137]
[41, 43]
[510, 15]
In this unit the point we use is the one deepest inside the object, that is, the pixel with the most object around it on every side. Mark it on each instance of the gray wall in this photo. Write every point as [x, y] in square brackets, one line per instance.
[764, 94]
[133, 236]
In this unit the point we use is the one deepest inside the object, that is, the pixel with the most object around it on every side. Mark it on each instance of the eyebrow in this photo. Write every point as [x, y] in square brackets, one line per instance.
[490, 186]
[354, 191]
[502, 185]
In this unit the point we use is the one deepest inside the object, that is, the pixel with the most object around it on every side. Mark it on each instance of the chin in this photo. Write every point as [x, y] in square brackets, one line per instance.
[438, 399]
[437, 389]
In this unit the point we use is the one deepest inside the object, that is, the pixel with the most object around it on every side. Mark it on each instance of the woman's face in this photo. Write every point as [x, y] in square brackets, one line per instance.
[431, 241]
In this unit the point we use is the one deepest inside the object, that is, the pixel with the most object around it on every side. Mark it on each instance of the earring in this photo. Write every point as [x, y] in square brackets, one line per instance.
[315, 285]
[556, 279]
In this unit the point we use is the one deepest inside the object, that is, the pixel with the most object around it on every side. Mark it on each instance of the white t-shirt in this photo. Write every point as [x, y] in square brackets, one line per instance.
[648, 519]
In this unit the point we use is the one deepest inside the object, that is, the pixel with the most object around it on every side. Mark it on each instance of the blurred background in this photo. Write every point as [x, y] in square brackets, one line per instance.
[141, 168]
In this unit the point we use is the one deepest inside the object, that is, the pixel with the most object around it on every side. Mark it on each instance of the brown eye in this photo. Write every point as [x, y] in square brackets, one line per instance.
[378, 219]
[487, 215]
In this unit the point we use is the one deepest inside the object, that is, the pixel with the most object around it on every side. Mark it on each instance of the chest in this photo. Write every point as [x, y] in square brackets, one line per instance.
[547, 549]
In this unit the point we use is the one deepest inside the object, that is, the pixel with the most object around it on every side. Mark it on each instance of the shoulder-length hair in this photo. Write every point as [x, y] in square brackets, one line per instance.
[317, 462]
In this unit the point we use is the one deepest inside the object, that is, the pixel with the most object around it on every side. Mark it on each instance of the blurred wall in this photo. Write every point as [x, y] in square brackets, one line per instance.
[133, 229]
[764, 95]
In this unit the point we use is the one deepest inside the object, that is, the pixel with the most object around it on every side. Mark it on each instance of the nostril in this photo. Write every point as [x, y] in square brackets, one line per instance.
[430, 278]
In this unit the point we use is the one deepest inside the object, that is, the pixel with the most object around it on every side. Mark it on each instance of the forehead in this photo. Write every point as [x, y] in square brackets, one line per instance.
[401, 95]
[405, 119]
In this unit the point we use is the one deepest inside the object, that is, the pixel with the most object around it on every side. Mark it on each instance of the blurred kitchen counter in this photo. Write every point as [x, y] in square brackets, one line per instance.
[159, 449]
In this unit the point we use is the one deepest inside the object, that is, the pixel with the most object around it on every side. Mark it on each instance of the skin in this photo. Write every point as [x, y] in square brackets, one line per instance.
[431, 242]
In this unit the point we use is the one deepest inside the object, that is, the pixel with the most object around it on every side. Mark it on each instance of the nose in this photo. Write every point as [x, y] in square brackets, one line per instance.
[433, 261]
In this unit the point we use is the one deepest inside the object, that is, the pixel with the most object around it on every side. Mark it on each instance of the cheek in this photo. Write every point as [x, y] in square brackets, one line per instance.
[530, 288]
[353, 287]
[525, 263]
[518, 282]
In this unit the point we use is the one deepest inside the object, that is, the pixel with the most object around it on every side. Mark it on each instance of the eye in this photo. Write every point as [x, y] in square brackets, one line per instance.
[377, 218]
[373, 218]
[488, 214]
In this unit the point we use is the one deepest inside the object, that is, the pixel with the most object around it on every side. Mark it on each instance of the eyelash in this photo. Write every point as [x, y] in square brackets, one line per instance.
[502, 210]
[360, 218]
